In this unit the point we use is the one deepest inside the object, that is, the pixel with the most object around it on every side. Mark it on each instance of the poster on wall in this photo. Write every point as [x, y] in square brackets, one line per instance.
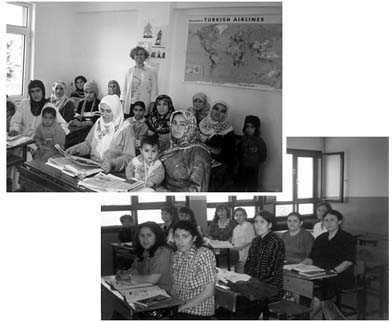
[235, 50]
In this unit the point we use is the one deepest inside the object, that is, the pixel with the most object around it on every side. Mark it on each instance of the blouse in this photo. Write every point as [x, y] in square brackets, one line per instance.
[265, 261]
[224, 233]
[191, 273]
[157, 264]
[297, 247]
[243, 234]
[318, 230]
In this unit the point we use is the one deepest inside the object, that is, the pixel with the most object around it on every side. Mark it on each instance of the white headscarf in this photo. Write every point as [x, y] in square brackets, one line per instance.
[59, 118]
[59, 102]
[209, 127]
[106, 133]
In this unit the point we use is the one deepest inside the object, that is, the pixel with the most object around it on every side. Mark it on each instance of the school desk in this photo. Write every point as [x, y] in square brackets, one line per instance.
[120, 248]
[15, 159]
[117, 301]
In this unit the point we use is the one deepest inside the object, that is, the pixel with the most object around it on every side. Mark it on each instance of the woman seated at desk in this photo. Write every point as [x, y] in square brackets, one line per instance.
[187, 162]
[152, 264]
[298, 241]
[193, 273]
[334, 251]
[265, 259]
[110, 141]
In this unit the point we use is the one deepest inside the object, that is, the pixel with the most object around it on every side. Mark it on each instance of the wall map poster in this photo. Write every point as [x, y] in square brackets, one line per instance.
[239, 50]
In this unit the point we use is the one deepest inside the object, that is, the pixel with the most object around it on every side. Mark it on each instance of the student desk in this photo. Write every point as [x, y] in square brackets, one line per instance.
[301, 286]
[14, 159]
[123, 308]
[120, 248]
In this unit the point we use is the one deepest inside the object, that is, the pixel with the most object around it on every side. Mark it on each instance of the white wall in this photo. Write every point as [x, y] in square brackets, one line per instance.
[305, 143]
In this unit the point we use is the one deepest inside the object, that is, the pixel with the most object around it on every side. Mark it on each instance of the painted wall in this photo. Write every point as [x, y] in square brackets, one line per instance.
[94, 39]
[304, 143]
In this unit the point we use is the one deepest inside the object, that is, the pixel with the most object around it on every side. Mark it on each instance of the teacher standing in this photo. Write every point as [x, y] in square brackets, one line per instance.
[140, 82]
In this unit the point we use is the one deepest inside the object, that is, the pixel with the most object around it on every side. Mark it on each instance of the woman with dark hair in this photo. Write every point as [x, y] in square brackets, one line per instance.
[114, 88]
[298, 241]
[187, 162]
[187, 214]
[266, 257]
[78, 94]
[321, 209]
[152, 264]
[28, 116]
[193, 273]
[222, 225]
[158, 120]
[334, 251]
[140, 82]
[170, 217]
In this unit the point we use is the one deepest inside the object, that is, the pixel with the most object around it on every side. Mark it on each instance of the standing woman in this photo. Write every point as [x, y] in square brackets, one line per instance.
[140, 82]
[28, 116]
[200, 106]
[321, 209]
[152, 264]
[108, 136]
[114, 88]
[222, 225]
[298, 241]
[158, 120]
[266, 255]
[193, 274]
[334, 251]
[63, 104]
[187, 162]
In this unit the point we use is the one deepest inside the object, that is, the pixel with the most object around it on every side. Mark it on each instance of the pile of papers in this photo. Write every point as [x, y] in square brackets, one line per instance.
[306, 270]
[17, 140]
[71, 168]
[225, 276]
[218, 243]
[110, 183]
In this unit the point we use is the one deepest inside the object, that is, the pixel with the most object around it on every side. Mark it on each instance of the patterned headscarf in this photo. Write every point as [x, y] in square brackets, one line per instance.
[106, 133]
[188, 140]
[209, 127]
[203, 112]
[36, 107]
[59, 102]
[161, 123]
[118, 91]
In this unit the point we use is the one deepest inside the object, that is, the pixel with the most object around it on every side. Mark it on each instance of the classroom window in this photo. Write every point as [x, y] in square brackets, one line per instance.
[18, 48]
[210, 213]
[151, 198]
[219, 198]
[149, 215]
[116, 199]
[112, 218]
[245, 196]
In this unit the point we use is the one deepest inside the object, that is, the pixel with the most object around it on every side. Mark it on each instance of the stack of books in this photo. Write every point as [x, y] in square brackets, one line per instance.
[306, 270]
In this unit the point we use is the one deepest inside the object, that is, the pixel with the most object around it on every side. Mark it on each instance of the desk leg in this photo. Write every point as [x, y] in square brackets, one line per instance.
[114, 260]
[228, 259]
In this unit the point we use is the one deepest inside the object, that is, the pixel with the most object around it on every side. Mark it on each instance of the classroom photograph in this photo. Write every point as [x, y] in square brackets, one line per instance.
[319, 250]
[144, 96]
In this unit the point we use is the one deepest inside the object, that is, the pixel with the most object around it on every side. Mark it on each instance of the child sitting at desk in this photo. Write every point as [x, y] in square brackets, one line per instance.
[147, 167]
[138, 121]
[47, 134]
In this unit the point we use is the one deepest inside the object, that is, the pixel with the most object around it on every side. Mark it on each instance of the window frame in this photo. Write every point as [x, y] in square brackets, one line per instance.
[27, 32]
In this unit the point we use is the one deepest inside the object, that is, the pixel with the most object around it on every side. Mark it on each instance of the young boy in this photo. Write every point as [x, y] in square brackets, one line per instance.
[137, 121]
[147, 167]
[47, 134]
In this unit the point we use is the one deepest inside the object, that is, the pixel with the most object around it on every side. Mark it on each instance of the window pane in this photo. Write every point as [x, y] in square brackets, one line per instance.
[180, 198]
[15, 15]
[305, 177]
[15, 64]
[213, 197]
[245, 196]
[283, 210]
[306, 209]
[152, 197]
[149, 215]
[115, 199]
[287, 194]
[250, 211]
[210, 213]
[112, 218]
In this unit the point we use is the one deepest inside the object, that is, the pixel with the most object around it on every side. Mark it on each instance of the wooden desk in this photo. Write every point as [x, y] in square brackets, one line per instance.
[120, 247]
[124, 309]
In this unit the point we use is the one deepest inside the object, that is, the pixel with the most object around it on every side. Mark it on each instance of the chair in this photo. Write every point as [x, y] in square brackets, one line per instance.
[359, 289]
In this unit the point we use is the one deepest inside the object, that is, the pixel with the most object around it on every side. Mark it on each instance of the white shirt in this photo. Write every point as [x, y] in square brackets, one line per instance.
[318, 230]
[243, 234]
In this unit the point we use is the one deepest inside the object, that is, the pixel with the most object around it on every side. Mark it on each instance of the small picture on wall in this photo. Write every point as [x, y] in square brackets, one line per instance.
[158, 52]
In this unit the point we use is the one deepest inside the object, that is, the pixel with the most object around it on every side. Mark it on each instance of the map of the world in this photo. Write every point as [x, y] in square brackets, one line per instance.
[243, 51]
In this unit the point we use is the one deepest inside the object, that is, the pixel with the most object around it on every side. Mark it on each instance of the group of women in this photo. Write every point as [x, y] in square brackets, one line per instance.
[189, 273]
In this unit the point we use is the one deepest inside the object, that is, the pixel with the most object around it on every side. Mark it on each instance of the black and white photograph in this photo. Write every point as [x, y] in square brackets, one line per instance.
[116, 122]
[209, 160]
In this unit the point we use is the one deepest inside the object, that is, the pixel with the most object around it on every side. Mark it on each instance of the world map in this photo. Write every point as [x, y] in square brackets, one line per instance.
[246, 54]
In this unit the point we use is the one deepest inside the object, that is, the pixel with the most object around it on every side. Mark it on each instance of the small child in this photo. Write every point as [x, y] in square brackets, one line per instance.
[243, 234]
[138, 121]
[47, 134]
[252, 152]
[147, 167]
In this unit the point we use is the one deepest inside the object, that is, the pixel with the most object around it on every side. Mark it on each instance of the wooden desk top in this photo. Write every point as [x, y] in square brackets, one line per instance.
[21, 145]
[291, 273]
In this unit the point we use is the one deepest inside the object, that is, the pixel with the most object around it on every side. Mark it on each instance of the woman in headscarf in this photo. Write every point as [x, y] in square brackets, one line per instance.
[109, 139]
[200, 106]
[187, 162]
[28, 116]
[87, 112]
[159, 120]
[114, 88]
[63, 104]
